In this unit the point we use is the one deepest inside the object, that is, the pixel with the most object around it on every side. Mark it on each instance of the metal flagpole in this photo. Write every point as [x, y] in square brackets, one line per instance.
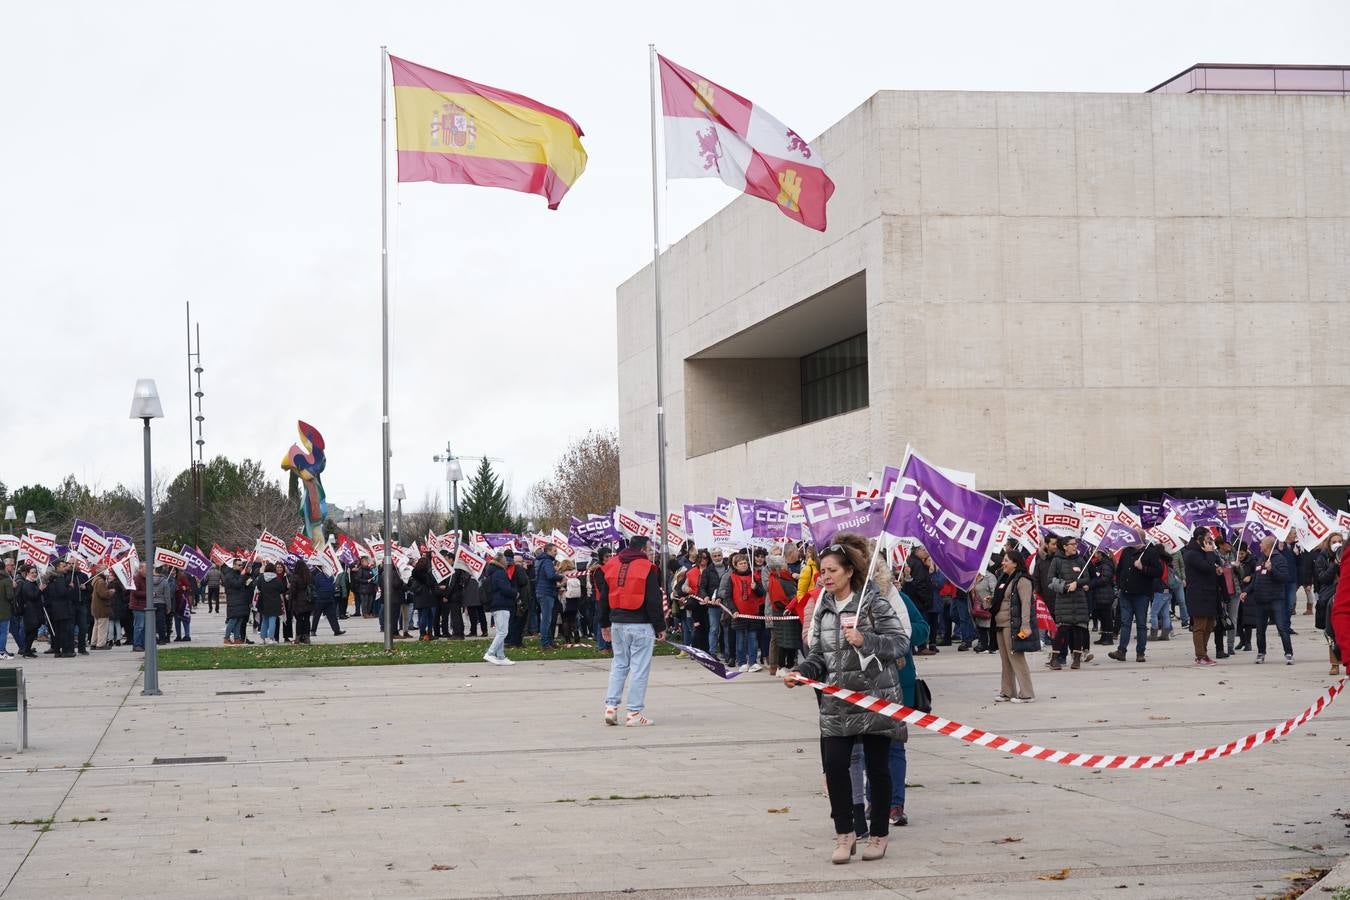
[660, 337]
[384, 347]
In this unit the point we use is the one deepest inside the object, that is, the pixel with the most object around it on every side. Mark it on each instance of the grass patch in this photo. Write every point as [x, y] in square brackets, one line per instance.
[303, 656]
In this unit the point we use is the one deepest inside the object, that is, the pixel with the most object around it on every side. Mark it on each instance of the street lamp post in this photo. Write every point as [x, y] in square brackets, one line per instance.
[361, 514]
[30, 518]
[400, 495]
[145, 406]
[454, 474]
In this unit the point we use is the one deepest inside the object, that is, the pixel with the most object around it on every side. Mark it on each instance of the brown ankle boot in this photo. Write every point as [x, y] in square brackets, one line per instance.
[1077, 660]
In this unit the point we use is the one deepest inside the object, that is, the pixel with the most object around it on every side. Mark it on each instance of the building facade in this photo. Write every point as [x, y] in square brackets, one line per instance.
[1100, 293]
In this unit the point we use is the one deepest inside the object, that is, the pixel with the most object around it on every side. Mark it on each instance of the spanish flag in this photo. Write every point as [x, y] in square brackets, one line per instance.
[453, 131]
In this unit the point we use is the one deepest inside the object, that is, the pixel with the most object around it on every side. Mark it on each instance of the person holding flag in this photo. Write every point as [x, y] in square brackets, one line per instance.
[854, 642]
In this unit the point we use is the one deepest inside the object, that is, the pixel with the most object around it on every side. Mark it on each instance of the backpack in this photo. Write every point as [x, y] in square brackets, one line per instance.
[573, 589]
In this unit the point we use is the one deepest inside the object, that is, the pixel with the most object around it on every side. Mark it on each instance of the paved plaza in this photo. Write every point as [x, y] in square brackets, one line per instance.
[471, 780]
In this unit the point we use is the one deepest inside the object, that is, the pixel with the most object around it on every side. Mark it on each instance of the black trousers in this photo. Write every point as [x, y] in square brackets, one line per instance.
[477, 622]
[452, 619]
[213, 599]
[328, 610]
[162, 623]
[1071, 637]
[835, 756]
[63, 635]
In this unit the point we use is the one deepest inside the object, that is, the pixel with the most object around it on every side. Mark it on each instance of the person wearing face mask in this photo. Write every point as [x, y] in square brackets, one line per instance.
[1272, 573]
[1326, 576]
[855, 639]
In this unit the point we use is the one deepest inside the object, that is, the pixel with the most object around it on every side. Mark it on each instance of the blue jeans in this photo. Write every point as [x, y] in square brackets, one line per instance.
[426, 620]
[234, 627]
[687, 628]
[546, 605]
[1290, 602]
[501, 620]
[633, 645]
[1161, 615]
[747, 646]
[899, 766]
[16, 629]
[965, 631]
[1179, 593]
[138, 628]
[4, 635]
[715, 630]
[269, 627]
[600, 642]
[1133, 608]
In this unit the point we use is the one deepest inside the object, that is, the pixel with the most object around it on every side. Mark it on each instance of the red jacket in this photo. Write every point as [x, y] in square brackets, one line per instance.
[137, 593]
[1340, 609]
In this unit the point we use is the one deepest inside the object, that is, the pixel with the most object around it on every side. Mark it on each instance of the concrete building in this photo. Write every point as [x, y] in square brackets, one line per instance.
[1100, 293]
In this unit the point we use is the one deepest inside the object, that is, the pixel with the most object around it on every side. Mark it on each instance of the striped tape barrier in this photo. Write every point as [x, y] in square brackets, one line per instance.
[975, 736]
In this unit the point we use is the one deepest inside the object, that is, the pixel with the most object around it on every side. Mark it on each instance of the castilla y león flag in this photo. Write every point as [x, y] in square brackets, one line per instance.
[711, 132]
[454, 131]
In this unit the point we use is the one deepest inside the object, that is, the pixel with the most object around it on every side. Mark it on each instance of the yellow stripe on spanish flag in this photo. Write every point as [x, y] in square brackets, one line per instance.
[453, 131]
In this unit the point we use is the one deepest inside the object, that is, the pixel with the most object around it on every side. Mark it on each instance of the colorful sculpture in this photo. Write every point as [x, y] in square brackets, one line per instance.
[307, 464]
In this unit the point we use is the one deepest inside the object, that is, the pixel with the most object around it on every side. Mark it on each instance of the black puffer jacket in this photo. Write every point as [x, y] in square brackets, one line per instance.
[1269, 579]
[870, 668]
[271, 591]
[1141, 580]
[63, 597]
[238, 594]
[1071, 607]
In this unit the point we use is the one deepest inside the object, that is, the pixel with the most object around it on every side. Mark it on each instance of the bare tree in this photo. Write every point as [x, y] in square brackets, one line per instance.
[429, 517]
[584, 480]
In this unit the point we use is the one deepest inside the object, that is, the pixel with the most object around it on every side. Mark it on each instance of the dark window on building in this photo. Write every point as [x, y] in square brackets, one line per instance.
[834, 379]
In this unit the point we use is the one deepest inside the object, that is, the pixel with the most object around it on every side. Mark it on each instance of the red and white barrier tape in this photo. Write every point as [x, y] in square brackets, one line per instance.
[980, 738]
[741, 615]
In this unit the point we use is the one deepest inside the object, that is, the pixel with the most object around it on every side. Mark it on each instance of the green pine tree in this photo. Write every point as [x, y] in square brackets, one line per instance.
[485, 506]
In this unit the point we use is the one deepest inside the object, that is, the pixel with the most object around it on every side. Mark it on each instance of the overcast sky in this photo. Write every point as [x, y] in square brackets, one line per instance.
[228, 154]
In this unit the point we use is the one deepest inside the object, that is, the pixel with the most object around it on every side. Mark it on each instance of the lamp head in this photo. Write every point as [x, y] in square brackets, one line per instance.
[30, 518]
[453, 470]
[10, 515]
[145, 400]
[400, 493]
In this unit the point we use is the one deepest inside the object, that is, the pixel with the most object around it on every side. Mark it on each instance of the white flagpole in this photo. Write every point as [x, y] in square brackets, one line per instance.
[384, 345]
[660, 337]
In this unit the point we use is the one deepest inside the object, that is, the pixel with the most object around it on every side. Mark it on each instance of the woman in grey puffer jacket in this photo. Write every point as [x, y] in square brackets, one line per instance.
[854, 642]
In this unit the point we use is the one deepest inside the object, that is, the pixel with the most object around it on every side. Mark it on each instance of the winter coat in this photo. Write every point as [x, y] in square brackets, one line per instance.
[547, 578]
[363, 582]
[1270, 578]
[806, 578]
[1139, 581]
[162, 590]
[238, 594]
[917, 629]
[1071, 607]
[300, 596]
[8, 588]
[919, 587]
[472, 593]
[1101, 581]
[726, 592]
[870, 668]
[787, 633]
[138, 593]
[423, 587]
[29, 596]
[100, 597]
[650, 613]
[1326, 571]
[271, 591]
[325, 589]
[501, 593]
[1307, 567]
[62, 597]
[213, 579]
[1204, 587]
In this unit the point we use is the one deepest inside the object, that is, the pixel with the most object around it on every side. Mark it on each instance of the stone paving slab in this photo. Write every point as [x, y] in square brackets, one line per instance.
[355, 782]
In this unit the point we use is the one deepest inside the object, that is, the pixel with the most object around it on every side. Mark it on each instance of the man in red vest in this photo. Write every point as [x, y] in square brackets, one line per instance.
[631, 619]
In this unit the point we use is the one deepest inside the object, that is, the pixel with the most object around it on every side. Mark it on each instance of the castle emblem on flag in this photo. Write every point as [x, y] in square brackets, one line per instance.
[789, 189]
[451, 126]
[703, 98]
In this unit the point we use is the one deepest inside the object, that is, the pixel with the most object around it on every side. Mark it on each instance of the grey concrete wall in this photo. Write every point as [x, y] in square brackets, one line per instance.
[1074, 291]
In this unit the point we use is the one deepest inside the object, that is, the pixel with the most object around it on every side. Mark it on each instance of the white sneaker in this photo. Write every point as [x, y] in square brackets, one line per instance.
[744, 668]
[611, 715]
[506, 662]
[488, 658]
[637, 719]
[1022, 699]
[756, 667]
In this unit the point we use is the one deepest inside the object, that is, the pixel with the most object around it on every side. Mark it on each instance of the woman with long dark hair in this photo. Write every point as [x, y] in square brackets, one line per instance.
[1014, 609]
[854, 641]
[300, 601]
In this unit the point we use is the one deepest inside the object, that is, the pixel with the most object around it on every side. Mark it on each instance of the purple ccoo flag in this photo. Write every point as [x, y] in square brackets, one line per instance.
[198, 565]
[826, 516]
[954, 523]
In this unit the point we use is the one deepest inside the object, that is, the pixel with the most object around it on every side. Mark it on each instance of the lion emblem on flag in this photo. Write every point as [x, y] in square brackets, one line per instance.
[453, 127]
